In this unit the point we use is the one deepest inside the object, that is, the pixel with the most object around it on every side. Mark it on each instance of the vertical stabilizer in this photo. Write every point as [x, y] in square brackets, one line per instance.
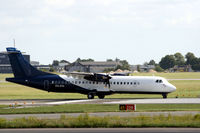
[20, 67]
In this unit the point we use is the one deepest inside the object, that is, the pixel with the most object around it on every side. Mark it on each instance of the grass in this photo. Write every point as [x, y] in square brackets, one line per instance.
[185, 89]
[85, 121]
[89, 108]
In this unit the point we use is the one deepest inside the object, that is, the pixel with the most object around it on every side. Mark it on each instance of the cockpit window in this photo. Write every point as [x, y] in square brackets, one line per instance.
[159, 81]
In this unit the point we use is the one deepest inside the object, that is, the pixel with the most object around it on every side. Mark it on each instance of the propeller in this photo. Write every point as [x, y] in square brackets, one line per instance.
[105, 78]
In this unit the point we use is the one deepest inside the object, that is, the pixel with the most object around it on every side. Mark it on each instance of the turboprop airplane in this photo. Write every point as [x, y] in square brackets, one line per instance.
[90, 84]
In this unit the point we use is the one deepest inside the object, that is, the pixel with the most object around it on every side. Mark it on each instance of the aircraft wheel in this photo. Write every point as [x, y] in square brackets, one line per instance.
[90, 96]
[101, 96]
[164, 96]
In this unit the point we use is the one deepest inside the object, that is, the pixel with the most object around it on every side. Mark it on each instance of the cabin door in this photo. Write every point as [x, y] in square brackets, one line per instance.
[46, 85]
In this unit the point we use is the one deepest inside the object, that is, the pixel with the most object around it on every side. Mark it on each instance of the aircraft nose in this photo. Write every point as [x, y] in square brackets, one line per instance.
[172, 87]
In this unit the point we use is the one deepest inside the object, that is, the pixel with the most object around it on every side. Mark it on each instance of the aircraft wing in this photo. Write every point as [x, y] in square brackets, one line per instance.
[99, 77]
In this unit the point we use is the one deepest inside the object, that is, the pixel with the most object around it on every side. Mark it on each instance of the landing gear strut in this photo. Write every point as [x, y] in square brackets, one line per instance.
[90, 96]
[101, 96]
[164, 95]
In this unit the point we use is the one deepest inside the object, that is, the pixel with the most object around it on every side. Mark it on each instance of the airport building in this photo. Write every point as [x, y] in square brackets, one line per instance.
[94, 67]
[5, 66]
[142, 68]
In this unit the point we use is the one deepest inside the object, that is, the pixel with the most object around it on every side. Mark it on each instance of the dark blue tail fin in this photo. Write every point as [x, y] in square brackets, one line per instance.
[20, 67]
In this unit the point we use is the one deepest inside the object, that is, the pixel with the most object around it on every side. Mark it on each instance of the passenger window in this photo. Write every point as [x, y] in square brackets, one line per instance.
[134, 83]
[114, 83]
[79, 82]
[75, 82]
[83, 82]
[127, 83]
[124, 82]
[121, 83]
[131, 83]
[93, 82]
[117, 82]
[96, 82]
[86, 82]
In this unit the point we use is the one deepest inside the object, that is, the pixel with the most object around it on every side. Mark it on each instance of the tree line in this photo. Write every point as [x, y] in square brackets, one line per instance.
[169, 61]
[166, 62]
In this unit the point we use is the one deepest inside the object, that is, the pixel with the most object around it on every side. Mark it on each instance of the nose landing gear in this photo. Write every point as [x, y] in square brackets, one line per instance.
[164, 95]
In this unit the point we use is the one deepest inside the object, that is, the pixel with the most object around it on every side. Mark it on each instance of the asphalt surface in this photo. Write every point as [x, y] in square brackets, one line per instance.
[100, 114]
[47, 102]
[103, 130]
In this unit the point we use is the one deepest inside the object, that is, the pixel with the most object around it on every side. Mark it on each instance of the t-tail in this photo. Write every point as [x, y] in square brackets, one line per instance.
[20, 66]
[23, 71]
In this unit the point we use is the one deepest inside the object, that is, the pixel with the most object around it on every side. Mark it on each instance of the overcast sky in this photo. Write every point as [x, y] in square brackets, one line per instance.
[135, 30]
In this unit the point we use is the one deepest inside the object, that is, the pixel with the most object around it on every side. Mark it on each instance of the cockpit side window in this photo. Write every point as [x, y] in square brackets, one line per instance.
[159, 81]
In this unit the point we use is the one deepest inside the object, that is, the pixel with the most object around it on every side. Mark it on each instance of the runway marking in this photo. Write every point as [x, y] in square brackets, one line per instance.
[73, 101]
[158, 101]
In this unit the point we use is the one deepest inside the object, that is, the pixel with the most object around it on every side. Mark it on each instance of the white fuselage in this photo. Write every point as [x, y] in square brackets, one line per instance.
[125, 84]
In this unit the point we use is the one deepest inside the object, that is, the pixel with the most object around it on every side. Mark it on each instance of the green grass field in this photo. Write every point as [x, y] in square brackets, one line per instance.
[185, 88]
[86, 121]
[89, 108]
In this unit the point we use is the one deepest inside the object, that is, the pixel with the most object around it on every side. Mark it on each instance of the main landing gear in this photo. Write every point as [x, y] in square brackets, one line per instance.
[91, 96]
[164, 95]
[101, 96]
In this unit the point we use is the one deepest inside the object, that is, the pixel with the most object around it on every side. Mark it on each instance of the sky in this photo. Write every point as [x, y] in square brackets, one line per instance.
[134, 30]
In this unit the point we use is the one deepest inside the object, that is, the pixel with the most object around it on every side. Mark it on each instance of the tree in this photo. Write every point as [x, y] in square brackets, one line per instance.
[55, 63]
[158, 68]
[145, 63]
[196, 64]
[152, 62]
[117, 60]
[179, 58]
[190, 58]
[84, 60]
[138, 68]
[167, 62]
[108, 60]
[78, 60]
[196, 67]
[125, 65]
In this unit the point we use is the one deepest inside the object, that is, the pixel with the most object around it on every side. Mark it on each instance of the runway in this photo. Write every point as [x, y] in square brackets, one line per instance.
[48, 102]
[102, 130]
